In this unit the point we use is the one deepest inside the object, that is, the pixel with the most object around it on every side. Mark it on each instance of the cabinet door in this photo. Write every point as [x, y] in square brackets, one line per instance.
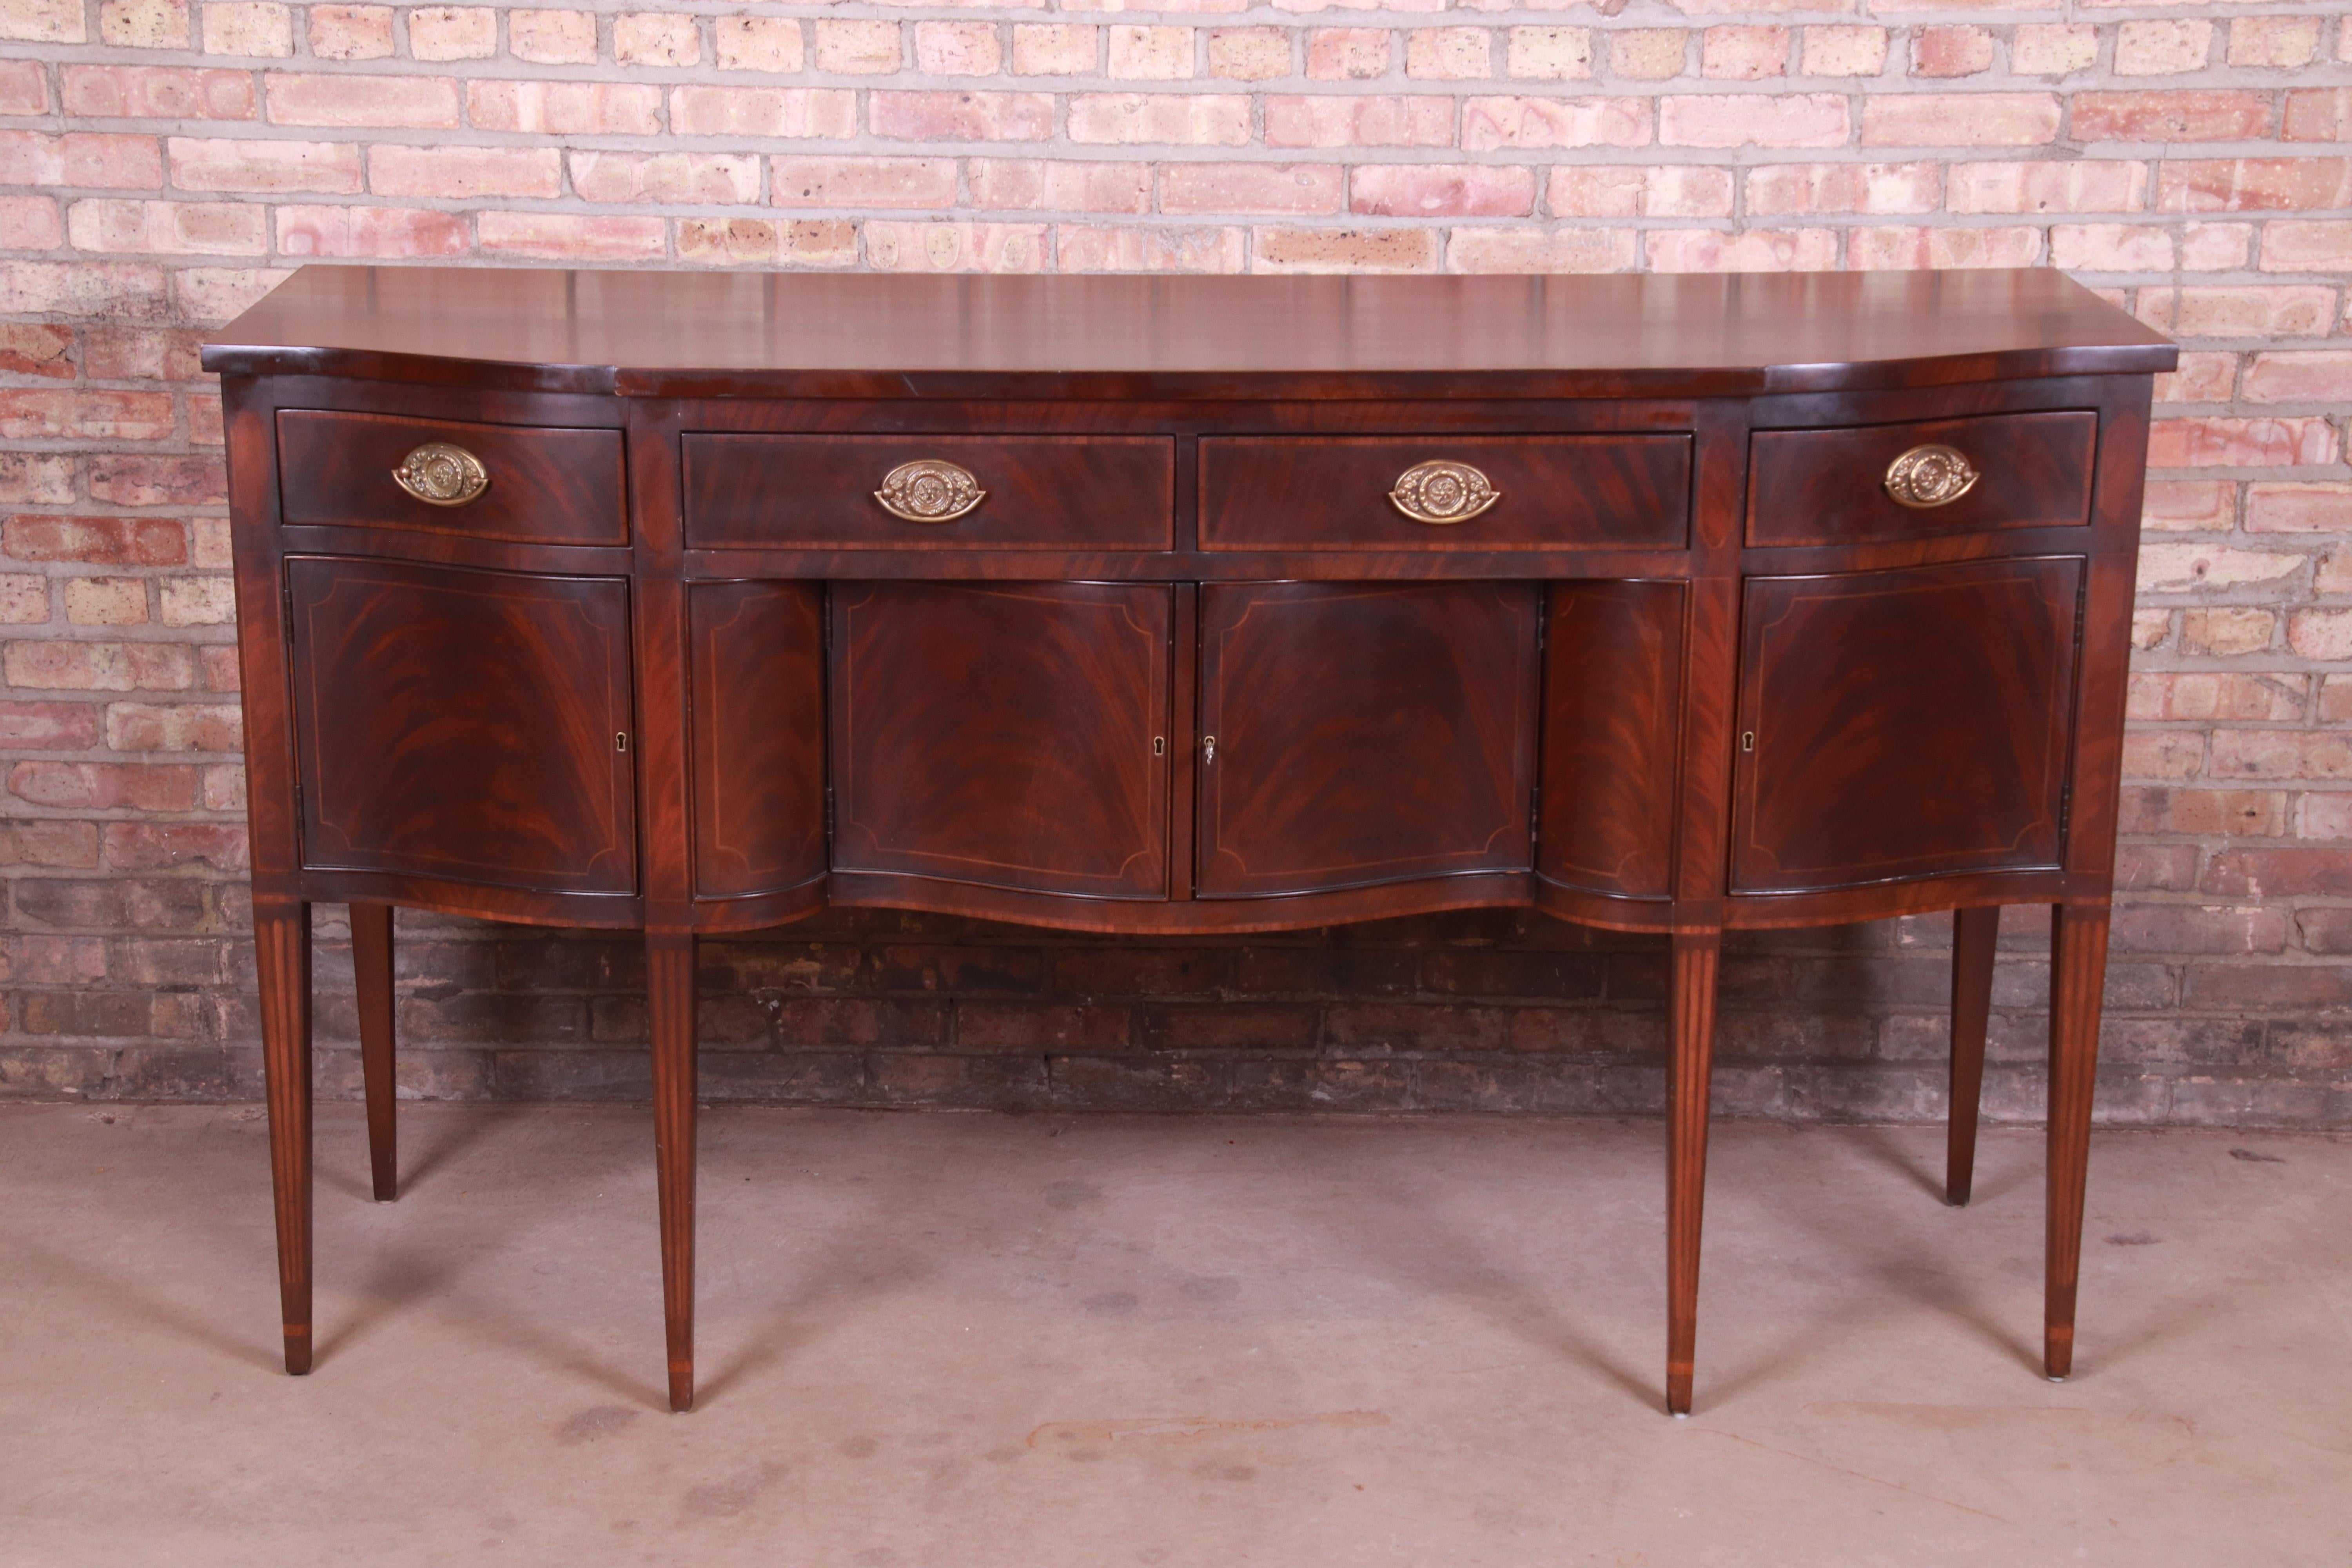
[1364, 733]
[463, 724]
[1905, 724]
[1012, 735]
[757, 656]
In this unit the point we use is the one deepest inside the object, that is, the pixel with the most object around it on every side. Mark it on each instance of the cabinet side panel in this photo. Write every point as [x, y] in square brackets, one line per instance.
[1612, 701]
[757, 652]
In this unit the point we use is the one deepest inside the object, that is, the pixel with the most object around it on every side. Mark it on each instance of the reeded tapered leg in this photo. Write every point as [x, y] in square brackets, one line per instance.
[281, 937]
[371, 963]
[1690, 1064]
[2078, 977]
[1975, 934]
[670, 981]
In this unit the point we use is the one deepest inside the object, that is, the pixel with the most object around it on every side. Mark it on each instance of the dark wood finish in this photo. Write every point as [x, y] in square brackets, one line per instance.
[1612, 698]
[1413, 709]
[372, 981]
[1976, 934]
[1828, 487]
[757, 650]
[551, 487]
[1278, 493]
[464, 724]
[1186, 535]
[1003, 735]
[1093, 492]
[1905, 724]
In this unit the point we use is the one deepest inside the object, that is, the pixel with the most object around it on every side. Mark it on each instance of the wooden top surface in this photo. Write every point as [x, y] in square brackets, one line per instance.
[869, 335]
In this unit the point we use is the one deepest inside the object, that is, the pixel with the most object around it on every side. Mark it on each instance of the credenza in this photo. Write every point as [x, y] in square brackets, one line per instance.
[682, 603]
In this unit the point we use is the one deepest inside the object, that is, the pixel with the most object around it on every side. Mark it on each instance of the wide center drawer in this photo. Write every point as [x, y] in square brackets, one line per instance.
[930, 493]
[1451, 492]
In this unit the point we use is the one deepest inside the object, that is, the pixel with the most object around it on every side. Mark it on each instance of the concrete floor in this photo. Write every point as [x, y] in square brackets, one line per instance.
[963, 1341]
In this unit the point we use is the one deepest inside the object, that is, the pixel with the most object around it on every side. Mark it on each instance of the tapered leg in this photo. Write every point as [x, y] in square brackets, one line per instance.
[1690, 1023]
[669, 979]
[281, 935]
[2078, 975]
[371, 963]
[1975, 933]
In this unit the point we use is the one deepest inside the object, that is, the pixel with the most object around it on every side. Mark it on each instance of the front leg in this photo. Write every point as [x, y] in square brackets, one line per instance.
[372, 974]
[2078, 975]
[669, 986]
[281, 939]
[1690, 1064]
[1975, 935]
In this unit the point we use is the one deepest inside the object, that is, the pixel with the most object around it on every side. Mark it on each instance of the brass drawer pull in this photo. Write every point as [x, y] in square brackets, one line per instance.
[440, 474]
[1929, 475]
[928, 491]
[1439, 494]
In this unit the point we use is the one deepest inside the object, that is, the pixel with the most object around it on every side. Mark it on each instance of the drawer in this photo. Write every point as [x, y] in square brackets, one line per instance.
[1840, 487]
[1518, 492]
[538, 485]
[932, 492]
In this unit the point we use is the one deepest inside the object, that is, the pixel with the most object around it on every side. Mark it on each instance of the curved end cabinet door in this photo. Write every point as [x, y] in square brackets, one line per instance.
[757, 654]
[463, 725]
[1003, 735]
[1906, 724]
[1613, 713]
[1365, 733]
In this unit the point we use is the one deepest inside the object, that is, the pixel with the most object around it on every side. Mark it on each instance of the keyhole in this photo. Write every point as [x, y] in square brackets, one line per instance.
[1208, 750]
[620, 741]
[1159, 745]
[1748, 741]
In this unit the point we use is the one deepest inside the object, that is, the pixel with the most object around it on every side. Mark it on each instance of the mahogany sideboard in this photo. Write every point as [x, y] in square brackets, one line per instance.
[690, 602]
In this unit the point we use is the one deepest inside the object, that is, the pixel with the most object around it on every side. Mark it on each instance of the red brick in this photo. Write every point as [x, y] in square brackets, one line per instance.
[2071, 186]
[961, 116]
[221, 164]
[863, 182]
[905, 247]
[2199, 114]
[1753, 118]
[1344, 250]
[1757, 250]
[1348, 54]
[2280, 507]
[38, 843]
[1516, 250]
[1616, 191]
[2316, 247]
[2111, 248]
[2267, 312]
[565, 108]
[351, 32]
[48, 726]
[958, 49]
[370, 231]
[552, 37]
[2204, 813]
[453, 33]
[2252, 185]
[1059, 185]
[33, 413]
[1302, 189]
[1960, 119]
[736, 242]
[80, 158]
[1353, 121]
[2316, 376]
[105, 291]
[105, 541]
[2206, 696]
[170, 228]
[1092, 248]
[145, 846]
[43, 21]
[79, 665]
[562, 237]
[2200, 378]
[1844, 188]
[1149, 54]
[465, 173]
[29, 348]
[422, 102]
[32, 479]
[2209, 441]
[715, 178]
[157, 92]
[1952, 51]
[1734, 53]
[1442, 190]
[2280, 873]
[171, 727]
[645, 38]
[2190, 928]
[30, 223]
[24, 88]
[2318, 114]
[1540, 122]
[1190, 120]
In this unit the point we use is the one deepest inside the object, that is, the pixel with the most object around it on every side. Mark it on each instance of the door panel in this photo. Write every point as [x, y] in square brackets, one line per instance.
[1613, 704]
[757, 652]
[1364, 733]
[461, 724]
[1003, 735]
[1906, 724]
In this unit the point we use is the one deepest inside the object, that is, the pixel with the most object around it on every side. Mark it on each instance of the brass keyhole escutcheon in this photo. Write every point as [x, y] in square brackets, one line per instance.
[1441, 493]
[1930, 476]
[929, 491]
[440, 473]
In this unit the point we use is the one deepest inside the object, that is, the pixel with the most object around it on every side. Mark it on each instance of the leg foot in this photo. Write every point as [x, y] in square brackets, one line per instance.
[1689, 1067]
[2078, 973]
[1975, 934]
[371, 964]
[282, 936]
[669, 978]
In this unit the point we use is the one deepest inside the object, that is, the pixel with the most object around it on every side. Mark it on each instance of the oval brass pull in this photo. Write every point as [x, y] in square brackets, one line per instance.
[440, 474]
[1439, 494]
[1930, 476]
[929, 491]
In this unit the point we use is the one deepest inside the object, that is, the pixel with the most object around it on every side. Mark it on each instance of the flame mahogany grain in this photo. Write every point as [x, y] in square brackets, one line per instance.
[1828, 487]
[550, 486]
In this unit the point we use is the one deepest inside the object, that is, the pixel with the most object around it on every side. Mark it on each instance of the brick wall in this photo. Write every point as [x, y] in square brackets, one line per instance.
[162, 161]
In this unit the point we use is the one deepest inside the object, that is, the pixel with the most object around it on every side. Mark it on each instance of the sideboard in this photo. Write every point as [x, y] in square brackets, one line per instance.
[683, 603]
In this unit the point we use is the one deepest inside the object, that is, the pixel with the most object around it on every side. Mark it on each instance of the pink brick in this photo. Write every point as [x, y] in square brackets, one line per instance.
[24, 88]
[2318, 246]
[464, 174]
[2252, 185]
[2163, 48]
[552, 37]
[739, 242]
[1753, 118]
[562, 236]
[2211, 442]
[453, 33]
[173, 727]
[140, 845]
[115, 290]
[648, 38]
[157, 92]
[773, 112]
[893, 245]
[1898, 247]
[79, 158]
[2192, 506]
[144, 24]
[1084, 248]
[715, 179]
[2278, 506]
[1348, 54]
[1544, 122]
[1960, 119]
[1744, 54]
[1192, 120]
[32, 348]
[258, 28]
[1838, 50]
[1648, 54]
[2111, 248]
[104, 785]
[962, 116]
[1039, 185]
[857, 47]
[1359, 121]
[351, 32]
[1447, 54]
[35, 478]
[2052, 49]
[957, 49]
[2198, 378]
[1296, 189]
[2294, 310]
[138, 479]
[43, 21]
[1517, 250]
[1242, 54]
[171, 228]
[140, 354]
[2319, 114]
[102, 541]
[1442, 190]
[2274, 43]
[1150, 54]
[346, 233]
[564, 108]
[1616, 191]
[2073, 186]
[2203, 114]
[1757, 250]
[758, 44]
[2317, 377]
[210, 296]
[1550, 54]
[1343, 250]
[1952, 51]
[1056, 49]
[100, 667]
[1873, 188]
[221, 164]
[48, 726]
[422, 102]
[41, 414]
[862, 182]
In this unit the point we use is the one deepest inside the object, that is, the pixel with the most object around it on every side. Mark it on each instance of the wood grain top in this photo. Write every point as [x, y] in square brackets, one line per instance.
[875, 335]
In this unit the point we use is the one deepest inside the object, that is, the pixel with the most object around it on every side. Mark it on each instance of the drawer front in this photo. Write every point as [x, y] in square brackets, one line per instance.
[1840, 487]
[540, 486]
[1538, 492]
[1034, 492]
